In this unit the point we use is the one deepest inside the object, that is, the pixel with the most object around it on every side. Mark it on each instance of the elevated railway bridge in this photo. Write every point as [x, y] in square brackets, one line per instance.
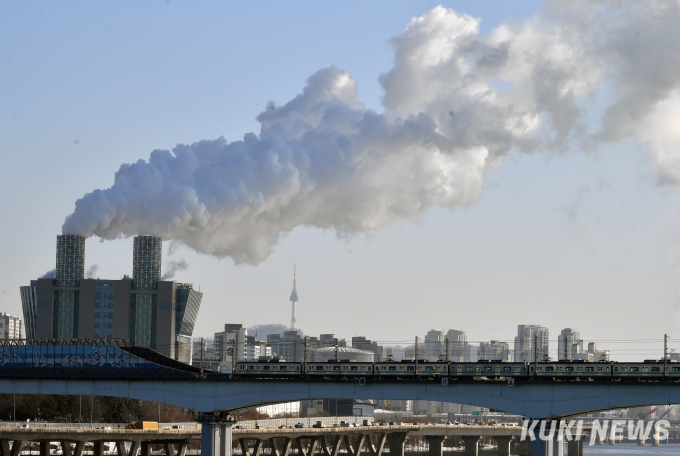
[113, 368]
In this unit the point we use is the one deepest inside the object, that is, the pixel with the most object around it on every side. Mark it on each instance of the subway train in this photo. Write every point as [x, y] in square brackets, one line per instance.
[493, 369]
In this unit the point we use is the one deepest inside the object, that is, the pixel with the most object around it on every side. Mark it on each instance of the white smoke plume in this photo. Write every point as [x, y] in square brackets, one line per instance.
[574, 76]
[49, 274]
[91, 272]
[173, 267]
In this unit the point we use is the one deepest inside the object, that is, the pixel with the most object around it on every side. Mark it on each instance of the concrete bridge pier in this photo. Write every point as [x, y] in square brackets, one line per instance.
[435, 444]
[471, 444]
[552, 447]
[503, 443]
[395, 443]
[575, 447]
[215, 436]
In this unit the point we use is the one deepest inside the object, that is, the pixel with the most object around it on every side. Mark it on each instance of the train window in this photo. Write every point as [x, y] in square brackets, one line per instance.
[559, 368]
[266, 368]
[516, 368]
[468, 369]
[283, 368]
[676, 369]
[344, 368]
[506, 368]
[274, 367]
[297, 368]
[590, 369]
[656, 369]
[548, 368]
[258, 367]
[319, 368]
[645, 369]
[336, 368]
[428, 368]
[487, 368]
[393, 368]
[579, 368]
[540, 369]
[599, 368]
[409, 368]
[634, 369]
[624, 368]
[354, 368]
[569, 369]
[251, 368]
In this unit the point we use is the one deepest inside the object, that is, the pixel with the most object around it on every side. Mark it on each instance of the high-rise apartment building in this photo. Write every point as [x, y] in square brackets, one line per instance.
[289, 346]
[531, 343]
[459, 349]
[434, 344]
[230, 345]
[146, 310]
[569, 344]
[11, 327]
[495, 350]
[361, 343]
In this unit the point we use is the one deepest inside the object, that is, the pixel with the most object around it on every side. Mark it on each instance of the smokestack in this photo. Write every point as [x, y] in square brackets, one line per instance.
[70, 259]
[146, 262]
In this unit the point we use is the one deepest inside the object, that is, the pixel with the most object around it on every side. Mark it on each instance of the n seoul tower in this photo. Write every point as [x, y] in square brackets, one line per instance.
[293, 299]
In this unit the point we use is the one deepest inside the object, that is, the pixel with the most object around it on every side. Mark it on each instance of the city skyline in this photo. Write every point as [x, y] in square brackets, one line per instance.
[572, 235]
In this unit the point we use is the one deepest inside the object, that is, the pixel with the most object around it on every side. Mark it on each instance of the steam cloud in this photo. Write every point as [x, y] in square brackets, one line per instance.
[92, 271]
[49, 274]
[173, 267]
[575, 76]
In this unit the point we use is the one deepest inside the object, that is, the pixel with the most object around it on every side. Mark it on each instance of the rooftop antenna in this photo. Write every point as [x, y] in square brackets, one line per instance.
[294, 297]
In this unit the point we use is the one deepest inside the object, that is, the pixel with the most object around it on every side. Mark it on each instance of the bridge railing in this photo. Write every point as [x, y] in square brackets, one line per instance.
[307, 421]
[192, 426]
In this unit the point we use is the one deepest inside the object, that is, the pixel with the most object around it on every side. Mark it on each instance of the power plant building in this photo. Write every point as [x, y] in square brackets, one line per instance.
[144, 309]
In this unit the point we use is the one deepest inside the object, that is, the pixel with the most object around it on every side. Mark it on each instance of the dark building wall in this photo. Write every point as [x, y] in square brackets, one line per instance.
[165, 318]
[121, 309]
[43, 321]
[86, 308]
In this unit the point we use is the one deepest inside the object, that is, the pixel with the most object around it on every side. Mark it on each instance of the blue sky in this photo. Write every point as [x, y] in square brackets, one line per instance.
[581, 239]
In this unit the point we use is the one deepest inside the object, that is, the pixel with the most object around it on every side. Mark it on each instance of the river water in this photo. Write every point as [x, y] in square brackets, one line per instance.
[630, 450]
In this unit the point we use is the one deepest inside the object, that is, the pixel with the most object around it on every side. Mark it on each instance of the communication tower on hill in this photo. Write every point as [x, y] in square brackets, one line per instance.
[293, 299]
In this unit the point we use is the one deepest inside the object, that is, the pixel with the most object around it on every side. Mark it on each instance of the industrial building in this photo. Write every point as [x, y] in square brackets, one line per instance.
[144, 309]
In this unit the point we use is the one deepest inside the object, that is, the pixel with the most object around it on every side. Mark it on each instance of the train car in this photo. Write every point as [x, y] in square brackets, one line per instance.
[648, 368]
[403, 368]
[487, 368]
[342, 368]
[433, 369]
[567, 369]
[269, 368]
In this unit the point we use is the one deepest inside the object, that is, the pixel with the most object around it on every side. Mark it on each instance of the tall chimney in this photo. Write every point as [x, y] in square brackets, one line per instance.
[146, 262]
[70, 268]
